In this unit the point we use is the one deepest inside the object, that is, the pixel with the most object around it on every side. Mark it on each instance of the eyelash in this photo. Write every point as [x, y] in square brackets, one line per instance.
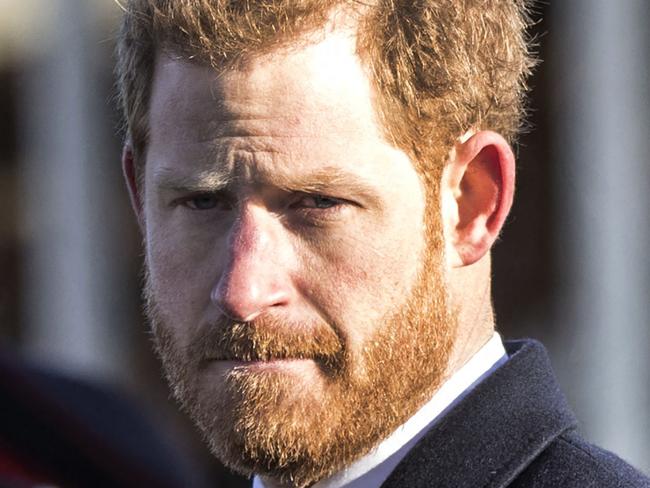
[186, 201]
[333, 204]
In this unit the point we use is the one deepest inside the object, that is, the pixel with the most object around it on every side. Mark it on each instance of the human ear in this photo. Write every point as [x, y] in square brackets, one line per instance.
[477, 190]
[132, 183]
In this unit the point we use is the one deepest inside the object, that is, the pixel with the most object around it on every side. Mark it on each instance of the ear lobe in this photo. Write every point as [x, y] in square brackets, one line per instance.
[478, 189]
[132, 183]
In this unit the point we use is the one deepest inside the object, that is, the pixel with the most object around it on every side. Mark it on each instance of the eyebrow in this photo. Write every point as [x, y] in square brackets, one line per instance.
[322, 180]
[198, 182]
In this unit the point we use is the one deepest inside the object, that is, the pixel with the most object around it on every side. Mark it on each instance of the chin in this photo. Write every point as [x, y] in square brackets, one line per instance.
[273, 418]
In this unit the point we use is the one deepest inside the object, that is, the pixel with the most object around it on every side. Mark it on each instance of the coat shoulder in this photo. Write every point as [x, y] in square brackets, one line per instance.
[569, 461]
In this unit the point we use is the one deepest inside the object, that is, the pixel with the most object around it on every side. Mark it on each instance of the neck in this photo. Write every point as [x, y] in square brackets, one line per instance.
[470, 295]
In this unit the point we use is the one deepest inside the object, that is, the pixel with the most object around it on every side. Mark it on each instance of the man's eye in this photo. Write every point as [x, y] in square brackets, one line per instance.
[203, 202]
[318, 201]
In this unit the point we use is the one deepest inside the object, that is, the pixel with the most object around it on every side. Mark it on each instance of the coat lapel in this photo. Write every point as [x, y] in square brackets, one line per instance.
[495, 431]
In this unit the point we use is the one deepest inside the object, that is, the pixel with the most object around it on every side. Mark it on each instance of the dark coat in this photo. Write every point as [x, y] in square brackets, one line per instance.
[514, 429]
[75, 434]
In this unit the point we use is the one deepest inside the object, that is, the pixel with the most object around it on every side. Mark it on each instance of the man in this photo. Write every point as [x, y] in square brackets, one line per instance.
[319, 184]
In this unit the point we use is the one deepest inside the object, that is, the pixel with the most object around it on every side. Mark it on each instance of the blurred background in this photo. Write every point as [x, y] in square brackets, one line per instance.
[571, 269]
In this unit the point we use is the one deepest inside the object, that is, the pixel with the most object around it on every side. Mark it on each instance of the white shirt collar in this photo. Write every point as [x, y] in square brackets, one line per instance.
[372, 470]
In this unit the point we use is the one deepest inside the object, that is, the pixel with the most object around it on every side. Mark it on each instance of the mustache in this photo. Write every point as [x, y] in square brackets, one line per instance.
[268, 338]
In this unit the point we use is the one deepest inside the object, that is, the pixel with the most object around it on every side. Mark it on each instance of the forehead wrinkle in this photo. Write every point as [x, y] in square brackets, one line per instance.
[253, 167]
[274, 124]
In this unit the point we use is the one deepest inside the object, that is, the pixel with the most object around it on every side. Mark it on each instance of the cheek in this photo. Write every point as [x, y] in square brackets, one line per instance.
[357, 278]
[181, 276]
[182, 248]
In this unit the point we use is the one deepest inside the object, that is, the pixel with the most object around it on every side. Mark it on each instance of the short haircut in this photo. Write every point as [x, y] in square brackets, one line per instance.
[439, 67]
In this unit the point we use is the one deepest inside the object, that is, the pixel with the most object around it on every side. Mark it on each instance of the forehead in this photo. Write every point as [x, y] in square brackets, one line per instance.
[291, 112]
[309, 87]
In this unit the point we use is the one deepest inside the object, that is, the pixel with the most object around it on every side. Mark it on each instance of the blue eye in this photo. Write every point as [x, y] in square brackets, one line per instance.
[202, 202]
[318, 202]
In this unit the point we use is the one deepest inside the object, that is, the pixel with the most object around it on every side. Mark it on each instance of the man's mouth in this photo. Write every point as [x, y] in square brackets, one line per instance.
[271, 364]
[268, 343]
[263, 356]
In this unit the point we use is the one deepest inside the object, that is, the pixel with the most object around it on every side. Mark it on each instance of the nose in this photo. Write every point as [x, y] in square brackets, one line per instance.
[256, 275]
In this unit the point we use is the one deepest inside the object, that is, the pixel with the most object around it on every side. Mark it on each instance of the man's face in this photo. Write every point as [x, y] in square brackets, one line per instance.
[296, 300]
